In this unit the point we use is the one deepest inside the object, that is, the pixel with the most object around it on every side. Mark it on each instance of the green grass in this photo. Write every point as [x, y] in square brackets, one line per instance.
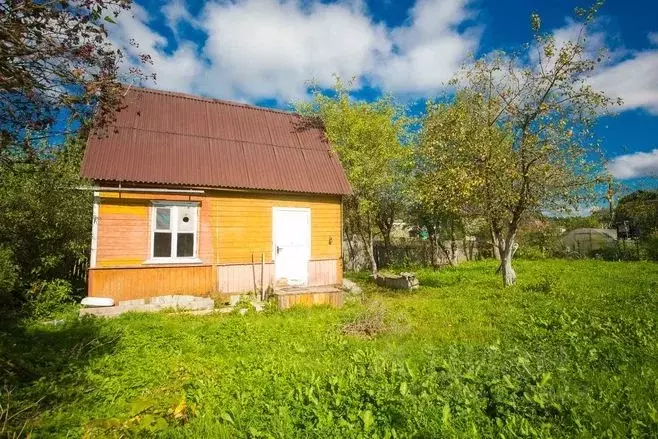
[572, 351]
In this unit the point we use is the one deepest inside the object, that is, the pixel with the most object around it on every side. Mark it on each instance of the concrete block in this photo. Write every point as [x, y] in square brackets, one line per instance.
[402, 281]
[351, 287]
[132, 302]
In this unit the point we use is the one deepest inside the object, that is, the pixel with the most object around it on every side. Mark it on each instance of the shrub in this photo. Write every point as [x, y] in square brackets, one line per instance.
[650, 246]
[8, 273]
[618, 251]
[43, 218]
[531, 252]
[46, 299]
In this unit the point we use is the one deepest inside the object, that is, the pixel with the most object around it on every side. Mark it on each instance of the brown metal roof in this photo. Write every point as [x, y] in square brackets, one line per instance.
[176, 139]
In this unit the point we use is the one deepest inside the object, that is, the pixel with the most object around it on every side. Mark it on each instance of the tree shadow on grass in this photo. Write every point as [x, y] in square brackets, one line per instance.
[41, 366]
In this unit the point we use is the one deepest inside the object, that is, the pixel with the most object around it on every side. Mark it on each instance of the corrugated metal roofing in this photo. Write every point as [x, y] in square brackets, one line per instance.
[176, 139]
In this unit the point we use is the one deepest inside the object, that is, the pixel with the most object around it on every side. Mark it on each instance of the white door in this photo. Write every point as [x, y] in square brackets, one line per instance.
[292, 245]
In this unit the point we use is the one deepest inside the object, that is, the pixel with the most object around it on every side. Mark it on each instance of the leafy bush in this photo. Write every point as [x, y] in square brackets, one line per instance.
[531, 252]
[650, 247]
[618, 251]
[8, 274]
[46, 299]
[44, 219]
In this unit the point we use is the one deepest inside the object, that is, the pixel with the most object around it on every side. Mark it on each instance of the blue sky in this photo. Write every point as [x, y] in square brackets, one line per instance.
[265, 51]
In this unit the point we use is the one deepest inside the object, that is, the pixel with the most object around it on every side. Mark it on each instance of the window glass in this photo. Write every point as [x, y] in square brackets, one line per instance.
[162, 218]
[162, 245]
[186, 218]
[174, 232]
[185, 245]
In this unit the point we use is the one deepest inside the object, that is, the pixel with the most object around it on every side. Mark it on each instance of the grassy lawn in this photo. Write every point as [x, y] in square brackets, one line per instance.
[572, 351]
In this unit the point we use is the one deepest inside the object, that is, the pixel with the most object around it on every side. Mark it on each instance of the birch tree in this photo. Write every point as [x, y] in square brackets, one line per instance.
[519, 135]
[368, 138]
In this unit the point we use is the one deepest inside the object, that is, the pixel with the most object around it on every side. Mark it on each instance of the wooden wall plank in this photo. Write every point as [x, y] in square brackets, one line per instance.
[137, 283]
[323, 272]
[239, 278]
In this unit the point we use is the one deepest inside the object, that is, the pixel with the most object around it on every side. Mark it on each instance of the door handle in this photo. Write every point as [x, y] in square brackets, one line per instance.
[278, 249]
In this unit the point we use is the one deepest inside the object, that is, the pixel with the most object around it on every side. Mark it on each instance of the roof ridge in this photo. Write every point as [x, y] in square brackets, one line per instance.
[182, 95]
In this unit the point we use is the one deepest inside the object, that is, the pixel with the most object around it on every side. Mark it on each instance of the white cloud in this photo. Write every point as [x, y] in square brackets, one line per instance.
[175, 71]
[259, 49]
[653, 38]
[632, 76]
[635, 165]
[270, 48]
[429, 49]
[176, 12]
[635, 80]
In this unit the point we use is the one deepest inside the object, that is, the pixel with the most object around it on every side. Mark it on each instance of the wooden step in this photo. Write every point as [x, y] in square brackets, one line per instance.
[309, 296]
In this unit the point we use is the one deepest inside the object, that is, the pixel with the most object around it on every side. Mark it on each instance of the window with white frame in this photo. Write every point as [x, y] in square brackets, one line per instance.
[174, 231]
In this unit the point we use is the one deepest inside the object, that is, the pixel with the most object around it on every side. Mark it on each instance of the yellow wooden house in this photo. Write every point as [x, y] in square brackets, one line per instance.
[201, 196]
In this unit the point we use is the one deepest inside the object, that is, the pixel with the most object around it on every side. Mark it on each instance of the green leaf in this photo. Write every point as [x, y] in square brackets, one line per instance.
[368, 419]
[227, 417]
[445, 414]
[109, 19]
[403, 388]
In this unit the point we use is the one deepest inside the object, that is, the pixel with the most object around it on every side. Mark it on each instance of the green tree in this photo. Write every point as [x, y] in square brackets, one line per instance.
[369, 139]
[640, 210]
[44, 218]
[518, 138]
[579, 222]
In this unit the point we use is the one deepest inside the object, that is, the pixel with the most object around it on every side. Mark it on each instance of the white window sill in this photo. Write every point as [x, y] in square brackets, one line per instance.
[177, 261]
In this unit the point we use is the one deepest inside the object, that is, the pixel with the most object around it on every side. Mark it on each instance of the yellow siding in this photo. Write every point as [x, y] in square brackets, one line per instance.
[234, 226]
[244, 225]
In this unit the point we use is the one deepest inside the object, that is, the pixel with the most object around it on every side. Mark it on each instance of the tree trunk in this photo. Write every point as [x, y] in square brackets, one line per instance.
[371, 253]
[453, 244]
[496, 245]
[386, 234]
[446, 252]
[351, 251]
[385, 219]
[507, 252]
[434, 251]
[368, 243]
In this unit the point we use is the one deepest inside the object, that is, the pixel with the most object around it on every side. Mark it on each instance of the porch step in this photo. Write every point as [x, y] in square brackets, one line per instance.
[308, 296]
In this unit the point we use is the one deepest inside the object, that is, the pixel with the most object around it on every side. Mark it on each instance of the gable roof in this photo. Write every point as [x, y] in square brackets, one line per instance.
[176, 139]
